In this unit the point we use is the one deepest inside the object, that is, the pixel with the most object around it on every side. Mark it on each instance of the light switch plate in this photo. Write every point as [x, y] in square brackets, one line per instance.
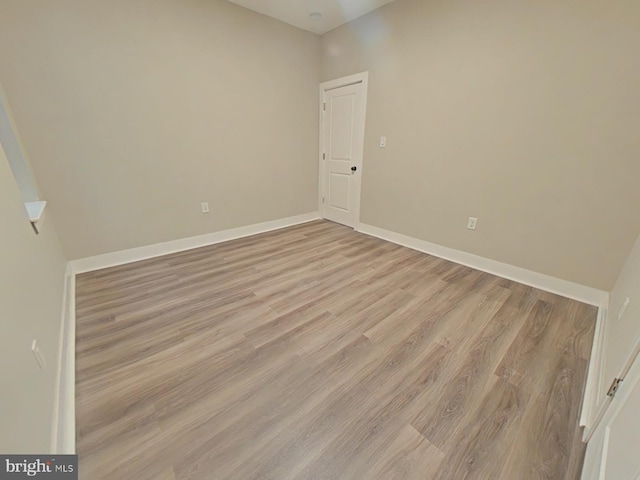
[472, 223]
[383, 142]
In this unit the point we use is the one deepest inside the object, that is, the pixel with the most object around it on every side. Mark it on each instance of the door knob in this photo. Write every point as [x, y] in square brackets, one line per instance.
[353, 169]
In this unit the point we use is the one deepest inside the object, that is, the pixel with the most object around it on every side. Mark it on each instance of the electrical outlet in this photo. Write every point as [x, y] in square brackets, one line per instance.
[471, 223]
[35, 348]
[205, 207]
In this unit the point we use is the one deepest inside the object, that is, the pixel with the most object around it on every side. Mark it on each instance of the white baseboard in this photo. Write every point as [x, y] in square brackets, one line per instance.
[63, 432]
[150, 251]
[565, 288]
[595, 373]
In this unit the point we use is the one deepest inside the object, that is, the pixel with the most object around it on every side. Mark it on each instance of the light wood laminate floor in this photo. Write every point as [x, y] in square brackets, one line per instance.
[316, 352]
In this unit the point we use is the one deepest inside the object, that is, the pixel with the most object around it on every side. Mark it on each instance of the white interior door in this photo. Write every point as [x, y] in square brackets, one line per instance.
[620, 459]
[612, 452]
[342, 132]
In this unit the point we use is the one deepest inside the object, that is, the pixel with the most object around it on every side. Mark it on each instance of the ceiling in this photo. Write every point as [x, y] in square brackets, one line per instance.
[297, 12]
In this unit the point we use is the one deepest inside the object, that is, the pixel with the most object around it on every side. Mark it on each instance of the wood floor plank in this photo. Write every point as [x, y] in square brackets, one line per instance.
[329, 382]
[409, 457]
[546, 425]
[316, 352]
[445, 414]
[537, 329]
[344, 426]
[482, 448]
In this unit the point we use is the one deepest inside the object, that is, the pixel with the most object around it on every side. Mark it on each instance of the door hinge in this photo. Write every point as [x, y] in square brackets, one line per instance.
[324, 107]
[322, 199]
[323, 156]
[613, 389]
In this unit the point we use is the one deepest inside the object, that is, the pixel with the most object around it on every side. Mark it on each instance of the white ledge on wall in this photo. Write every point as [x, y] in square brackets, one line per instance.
[35, 211]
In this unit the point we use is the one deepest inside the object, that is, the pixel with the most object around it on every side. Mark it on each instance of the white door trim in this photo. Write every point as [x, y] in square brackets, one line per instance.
[362, 78]
[593, 391]
[603, 458]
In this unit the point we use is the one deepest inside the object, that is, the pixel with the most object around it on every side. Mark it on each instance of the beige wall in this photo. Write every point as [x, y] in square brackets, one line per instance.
[523, 114]
[32, 272]
[134, 112]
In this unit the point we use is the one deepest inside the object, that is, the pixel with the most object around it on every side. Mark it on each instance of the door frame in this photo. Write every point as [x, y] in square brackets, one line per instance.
[362, 78]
